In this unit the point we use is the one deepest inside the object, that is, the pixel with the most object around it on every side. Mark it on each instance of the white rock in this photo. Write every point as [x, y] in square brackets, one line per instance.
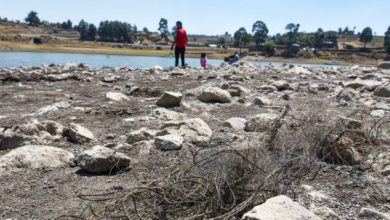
[281, 85]
[102, 159]
[373, 214]
[167, 115]
[36, 157]
[262, 101]
[79, 134]
[55, 107]
[140, 135]
[214, 95]
[280, 208]
[369, 84]
[378, 113]
[54, 128]
[69, 67]
[384, 65]
[193, 130]
[170, 100]
[260, 123]
[237, 124]
[299, 70]
[117, 96]
[169, 142]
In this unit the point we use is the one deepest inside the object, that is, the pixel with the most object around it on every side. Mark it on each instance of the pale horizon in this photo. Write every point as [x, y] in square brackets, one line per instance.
[213, 18]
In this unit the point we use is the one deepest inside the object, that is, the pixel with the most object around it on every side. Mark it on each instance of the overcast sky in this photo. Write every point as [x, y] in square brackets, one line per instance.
[212, 16]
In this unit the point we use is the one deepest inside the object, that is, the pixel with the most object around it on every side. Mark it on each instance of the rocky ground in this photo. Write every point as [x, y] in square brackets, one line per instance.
[75, 142]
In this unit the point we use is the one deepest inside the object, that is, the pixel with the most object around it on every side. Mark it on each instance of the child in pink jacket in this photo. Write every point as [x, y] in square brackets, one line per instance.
[203, 60]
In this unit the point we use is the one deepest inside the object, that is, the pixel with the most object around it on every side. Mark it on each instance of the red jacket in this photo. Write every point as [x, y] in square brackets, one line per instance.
[181, 38]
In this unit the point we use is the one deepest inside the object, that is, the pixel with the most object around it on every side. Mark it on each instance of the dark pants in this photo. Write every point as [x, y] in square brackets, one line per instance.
[180, 52]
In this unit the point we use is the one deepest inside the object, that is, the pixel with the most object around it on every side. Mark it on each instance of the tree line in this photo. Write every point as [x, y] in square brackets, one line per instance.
[116, 31]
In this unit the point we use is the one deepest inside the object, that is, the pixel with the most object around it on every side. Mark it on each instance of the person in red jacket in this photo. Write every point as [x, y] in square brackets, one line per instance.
[180, 43]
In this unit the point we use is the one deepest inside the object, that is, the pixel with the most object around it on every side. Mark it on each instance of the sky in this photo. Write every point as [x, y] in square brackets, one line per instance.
[212, 17]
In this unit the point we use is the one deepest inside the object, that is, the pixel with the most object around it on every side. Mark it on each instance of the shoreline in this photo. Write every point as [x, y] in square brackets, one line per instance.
[71, 49]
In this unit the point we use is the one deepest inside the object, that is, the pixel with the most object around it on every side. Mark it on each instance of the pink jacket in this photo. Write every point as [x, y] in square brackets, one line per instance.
[203, 62]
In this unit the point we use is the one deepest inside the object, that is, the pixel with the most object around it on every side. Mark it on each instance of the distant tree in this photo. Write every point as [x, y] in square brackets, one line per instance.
[67, 25]
[319, 36]
[163, 29]
[346, 30]
[366, 36]
[340, 30]
[32, 18]
[146, 30]
[115, 31]
[82, 28]
[221, 41]
[241, 37]
[292, 28]
[92, 32]
[260, 32]
[387, 40]
[292, 32]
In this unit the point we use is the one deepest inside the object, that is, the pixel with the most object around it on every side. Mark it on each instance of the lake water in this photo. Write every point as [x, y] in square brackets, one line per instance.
[17, 59]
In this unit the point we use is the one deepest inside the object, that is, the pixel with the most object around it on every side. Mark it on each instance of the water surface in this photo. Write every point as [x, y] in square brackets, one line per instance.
[18, 59]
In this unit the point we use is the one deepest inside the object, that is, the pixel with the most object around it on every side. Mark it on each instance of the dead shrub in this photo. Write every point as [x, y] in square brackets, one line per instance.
[223, 182]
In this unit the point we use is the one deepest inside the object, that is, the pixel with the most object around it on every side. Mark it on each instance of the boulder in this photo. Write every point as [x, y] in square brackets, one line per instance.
[267, 88]
[261, 123]
[262, 101]
[101, 159]
[214, 95]
[299, 70]
[238, 124]
[193, 130]
[237, 90]
[170, 100]
[116, 96]
[110, 79]
[69, 67]
[167, 115]
[78, 134]
[140, 135]
[169, 142]
[384, 65]
[280, 208]
[369, 213]
[383, 91]
[36, 157]
[281, 85]
[370, 85]
[53, 128]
